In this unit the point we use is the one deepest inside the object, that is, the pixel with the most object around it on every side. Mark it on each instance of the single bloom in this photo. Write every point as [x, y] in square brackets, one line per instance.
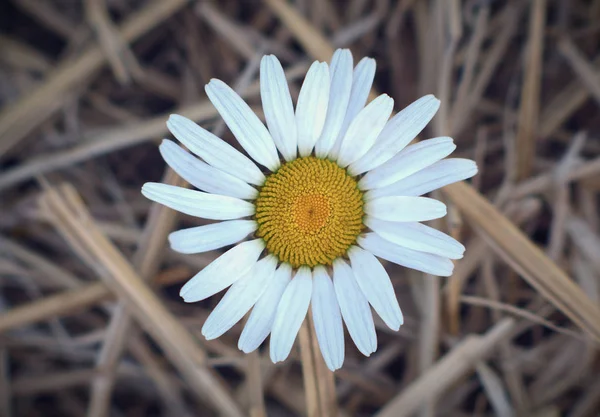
[327, 188]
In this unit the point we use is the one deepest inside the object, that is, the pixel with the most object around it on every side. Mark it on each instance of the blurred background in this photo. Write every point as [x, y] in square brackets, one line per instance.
[91, 323]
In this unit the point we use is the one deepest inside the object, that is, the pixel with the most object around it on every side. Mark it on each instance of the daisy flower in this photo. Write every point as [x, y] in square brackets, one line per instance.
[324, 191]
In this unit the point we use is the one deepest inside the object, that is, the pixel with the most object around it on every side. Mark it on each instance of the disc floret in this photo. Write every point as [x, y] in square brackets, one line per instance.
[309, 212]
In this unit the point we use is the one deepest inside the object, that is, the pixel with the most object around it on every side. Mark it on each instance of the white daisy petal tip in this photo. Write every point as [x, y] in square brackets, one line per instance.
[245, 125]
[406, 257]
[144, 189]
[223, 271]
[364, 130]
[341, 73]
[278, 107]
[209, 237]
[178, 118]
[362, 80]
[375, 283]
[245, 349]
[367, 64]
[186, 299]
[410, 160]
[397, 134]
[340, 56]
[210, 334]
[261, 318]
[274, 358]
[215, 82]
[460, 253]
[214, 151]
[278, 355]
[151, 190]
[432, 104]
[240, 298]
[436, 176]
[188, 296]
[203, 176]
[417, 236]
[474, 169]
[198, 203]
[173, 118]
[327, 319]
[340, 50]
[429, 104]
[396, 326]
[290, 315]
[311, 108]
[405, 209]
[354, 307]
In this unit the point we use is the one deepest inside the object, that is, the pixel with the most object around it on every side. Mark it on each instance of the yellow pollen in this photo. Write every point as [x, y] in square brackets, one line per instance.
[309, 212]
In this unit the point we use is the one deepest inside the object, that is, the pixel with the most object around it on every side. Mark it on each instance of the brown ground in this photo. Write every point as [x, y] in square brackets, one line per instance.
[86, 88]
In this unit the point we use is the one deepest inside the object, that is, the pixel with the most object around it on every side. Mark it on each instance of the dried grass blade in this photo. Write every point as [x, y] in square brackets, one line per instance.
[526, 258]
[582, 67]
[319, 386]
[22, 117]
[446, 371]
[67, 302]
[530, 94]
[178, 344]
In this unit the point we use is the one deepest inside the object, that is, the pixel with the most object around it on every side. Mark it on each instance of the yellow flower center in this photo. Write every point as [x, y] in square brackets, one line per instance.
[309, 212]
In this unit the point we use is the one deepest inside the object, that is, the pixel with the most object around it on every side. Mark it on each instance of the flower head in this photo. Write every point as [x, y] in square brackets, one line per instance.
[329, 186]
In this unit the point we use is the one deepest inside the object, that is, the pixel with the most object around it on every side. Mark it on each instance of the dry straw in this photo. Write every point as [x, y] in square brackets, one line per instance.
[514, 331]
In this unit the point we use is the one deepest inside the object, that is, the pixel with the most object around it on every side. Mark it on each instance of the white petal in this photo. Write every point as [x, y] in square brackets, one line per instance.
[417, 236]
[311, 109]
[203, 176]
[291, 312]
[261, 319]
[223, 271]
[211, 236]
[240, 298]
[398, 132]
[278, 107]
[339, 96]
[405, 209]
[375, 284]
[412, 159]
[440, 174]
[197, 203]
[362, 80]
[355, 308]
[243, 123]
[328, 320]
[421, 261]
[214, 151]
[364, 129]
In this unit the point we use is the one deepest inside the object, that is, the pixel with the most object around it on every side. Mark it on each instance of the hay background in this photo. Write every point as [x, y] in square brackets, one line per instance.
[90, 320]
